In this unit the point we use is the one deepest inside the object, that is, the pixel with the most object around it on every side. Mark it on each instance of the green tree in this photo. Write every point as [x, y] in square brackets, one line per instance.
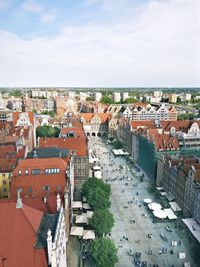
[186, 116]
[93, 183]
[90, 98]
[106, 100]
[102, 221]
[103, 252]
[16, 93]
[51, 113]
[47, 131]
[98, 199]
[130, 100]
[117, 144]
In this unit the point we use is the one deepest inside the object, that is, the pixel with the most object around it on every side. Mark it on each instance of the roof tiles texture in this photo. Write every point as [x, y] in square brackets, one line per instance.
[18, 236]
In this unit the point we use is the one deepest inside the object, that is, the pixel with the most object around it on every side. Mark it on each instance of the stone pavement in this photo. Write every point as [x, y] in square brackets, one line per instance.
[136, 235]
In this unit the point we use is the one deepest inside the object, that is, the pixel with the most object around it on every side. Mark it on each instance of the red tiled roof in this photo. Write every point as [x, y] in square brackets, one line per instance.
[164, 142]
[38, 181]
[16, 117]
[8, 165]
[9, 151]
[178, 125]
[18, 236]
[72, 143]
[142, 124]
[103, 116]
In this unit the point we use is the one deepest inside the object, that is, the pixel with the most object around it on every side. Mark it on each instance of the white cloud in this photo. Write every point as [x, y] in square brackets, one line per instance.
[35, 8]
[31, 6]
[159, 46]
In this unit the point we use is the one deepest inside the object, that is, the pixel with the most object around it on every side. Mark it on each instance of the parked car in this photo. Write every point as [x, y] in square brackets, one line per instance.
[168, 228]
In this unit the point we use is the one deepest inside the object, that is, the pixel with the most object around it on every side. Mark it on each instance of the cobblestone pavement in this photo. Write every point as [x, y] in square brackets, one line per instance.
[136, 234]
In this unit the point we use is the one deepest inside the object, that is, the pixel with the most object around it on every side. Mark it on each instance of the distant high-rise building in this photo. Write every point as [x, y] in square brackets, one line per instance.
[172, 98]
[116, 97]
[97, 96]
[125, 96]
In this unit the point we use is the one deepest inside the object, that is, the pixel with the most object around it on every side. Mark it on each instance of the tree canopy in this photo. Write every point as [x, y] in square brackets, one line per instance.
[51, 113]
[16, 93]
[97, 193]
[102, 221]
[47, 131]
[186, 116]
[103, 252]
[106, 100]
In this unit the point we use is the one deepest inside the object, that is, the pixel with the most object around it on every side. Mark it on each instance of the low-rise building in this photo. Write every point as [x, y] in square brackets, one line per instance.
[30, 237]
[95, 124]
[39, 177]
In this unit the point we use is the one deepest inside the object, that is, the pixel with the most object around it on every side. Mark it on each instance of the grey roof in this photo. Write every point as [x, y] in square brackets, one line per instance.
[49, 221]
[48, 152]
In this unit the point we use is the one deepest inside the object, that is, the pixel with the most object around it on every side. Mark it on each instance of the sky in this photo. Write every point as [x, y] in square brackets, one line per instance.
[100, 43]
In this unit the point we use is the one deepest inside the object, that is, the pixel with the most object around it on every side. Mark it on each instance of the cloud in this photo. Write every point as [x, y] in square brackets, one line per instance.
[158, 46]
[44, 15]
[32, 6]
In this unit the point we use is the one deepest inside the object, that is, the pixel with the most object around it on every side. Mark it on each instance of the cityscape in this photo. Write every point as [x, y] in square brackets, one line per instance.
[100, 133]
[99, 178]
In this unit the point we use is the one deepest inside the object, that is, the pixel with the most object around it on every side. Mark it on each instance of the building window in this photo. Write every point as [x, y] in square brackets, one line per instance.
[30, 190]
[4, 189]
[20, 172]
[58, 187]
[4, 182]
[35, 171]
[52, 170]
[26, 172]
[3, 175]
[46, 188]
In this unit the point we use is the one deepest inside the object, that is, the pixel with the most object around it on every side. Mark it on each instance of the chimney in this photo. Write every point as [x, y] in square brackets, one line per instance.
[49, 246]
[58, 202]
[19, 201]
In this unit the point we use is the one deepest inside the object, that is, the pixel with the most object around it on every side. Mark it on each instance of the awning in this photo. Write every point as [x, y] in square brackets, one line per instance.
[88, 234]
[98, 174]
[89, 213]
[194, 227]
[147, 200]
[170, 214]
[155, 206]
[76, 230]
[77, 205]
[81, 218]
[160, 214]
[86, 206]
[174, 205]
[169, 196]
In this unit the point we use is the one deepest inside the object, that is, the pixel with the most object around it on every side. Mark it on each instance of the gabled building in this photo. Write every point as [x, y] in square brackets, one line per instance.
[95, 124]
[30, 237]
[39, 177]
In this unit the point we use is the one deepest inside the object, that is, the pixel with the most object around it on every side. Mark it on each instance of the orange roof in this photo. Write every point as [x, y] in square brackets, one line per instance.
[16, 117]
[103, 116]
[10, 151]
[142, 124]
[76, 130]
[164, 142]
[71, 143]
[18, 236]
[178, 125]
[38, 181]
[8, 165]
